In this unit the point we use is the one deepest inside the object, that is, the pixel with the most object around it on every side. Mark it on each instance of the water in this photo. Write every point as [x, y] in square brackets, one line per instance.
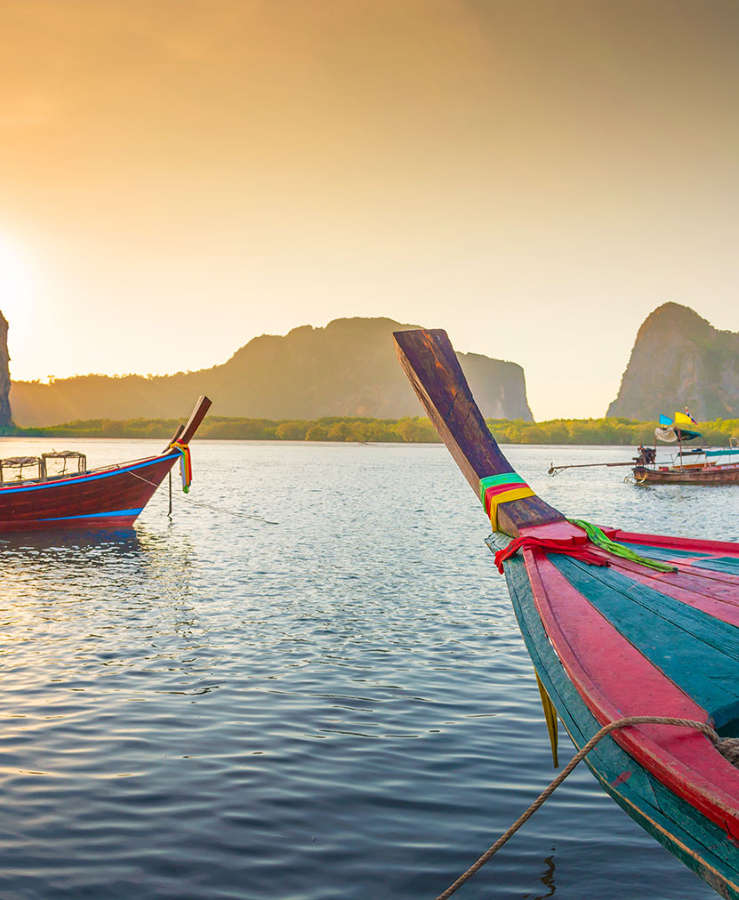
[335, 706]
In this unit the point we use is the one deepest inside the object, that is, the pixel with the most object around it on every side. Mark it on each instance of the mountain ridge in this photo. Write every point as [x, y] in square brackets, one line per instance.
[347, 368]
[679, 359]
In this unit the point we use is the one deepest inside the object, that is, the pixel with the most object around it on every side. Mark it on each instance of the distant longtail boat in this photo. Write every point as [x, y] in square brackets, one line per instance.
[695, 466]
[617, 624]
[108, 497]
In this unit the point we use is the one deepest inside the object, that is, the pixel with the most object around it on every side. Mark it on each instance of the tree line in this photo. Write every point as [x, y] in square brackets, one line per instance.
[407, 430]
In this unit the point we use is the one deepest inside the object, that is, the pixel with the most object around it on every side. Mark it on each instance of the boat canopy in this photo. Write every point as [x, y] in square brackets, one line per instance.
[730, 452]
[13, 466]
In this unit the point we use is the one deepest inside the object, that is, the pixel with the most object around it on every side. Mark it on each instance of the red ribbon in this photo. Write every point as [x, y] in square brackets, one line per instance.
[574, 547]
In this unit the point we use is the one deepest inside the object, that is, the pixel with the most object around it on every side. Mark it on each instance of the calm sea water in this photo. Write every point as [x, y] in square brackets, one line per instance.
[338, 705]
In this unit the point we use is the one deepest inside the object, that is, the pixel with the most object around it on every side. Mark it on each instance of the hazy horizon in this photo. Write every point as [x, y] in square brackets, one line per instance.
[535, 177]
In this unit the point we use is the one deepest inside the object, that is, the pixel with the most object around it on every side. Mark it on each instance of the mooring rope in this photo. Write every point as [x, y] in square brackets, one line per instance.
[729, 747]
[211, 506]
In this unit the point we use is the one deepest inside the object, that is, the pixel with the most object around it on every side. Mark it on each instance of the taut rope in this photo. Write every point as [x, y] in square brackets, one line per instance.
[729, 747]
[211, 506]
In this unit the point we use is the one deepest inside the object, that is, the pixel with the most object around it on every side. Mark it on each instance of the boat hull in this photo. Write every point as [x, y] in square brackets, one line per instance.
[727, 474]
[105, 498]
[675, 823]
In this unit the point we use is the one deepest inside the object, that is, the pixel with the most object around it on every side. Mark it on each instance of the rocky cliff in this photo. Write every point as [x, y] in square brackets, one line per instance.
[5, 419]
[348, 368]
[679, 360]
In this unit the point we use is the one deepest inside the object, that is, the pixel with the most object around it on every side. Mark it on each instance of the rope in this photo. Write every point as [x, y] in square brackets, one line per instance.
[211, 506]
[726, 746]
[598, 537]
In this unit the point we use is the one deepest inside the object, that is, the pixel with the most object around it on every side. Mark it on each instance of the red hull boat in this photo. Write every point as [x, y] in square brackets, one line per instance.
[108, 497]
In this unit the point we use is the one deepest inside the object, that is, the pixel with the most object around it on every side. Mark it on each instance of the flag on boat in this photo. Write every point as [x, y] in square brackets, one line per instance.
[671, 430]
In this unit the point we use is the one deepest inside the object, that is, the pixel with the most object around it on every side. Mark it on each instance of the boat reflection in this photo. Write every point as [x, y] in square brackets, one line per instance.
[134, 566]
[120, 540]
[547, 879]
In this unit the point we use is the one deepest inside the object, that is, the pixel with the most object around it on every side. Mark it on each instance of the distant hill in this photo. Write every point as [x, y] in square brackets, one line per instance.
[348, 368]
[679, 360]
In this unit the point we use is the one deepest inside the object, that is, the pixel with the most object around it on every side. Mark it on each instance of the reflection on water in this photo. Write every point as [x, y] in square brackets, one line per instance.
[61, 560]
[547, 879]
[336, 707]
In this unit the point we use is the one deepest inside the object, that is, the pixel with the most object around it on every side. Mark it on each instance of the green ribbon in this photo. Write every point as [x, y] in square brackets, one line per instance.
[495, 480]
[596, 536]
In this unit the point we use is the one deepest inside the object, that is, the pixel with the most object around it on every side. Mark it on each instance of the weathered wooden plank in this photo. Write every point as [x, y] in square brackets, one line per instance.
[714, 600]
[728, 564]
[429, 361]
[693, 649]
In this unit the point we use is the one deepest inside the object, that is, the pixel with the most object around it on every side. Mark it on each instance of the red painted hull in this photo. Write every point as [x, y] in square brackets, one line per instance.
[726, 474]
[105, 498]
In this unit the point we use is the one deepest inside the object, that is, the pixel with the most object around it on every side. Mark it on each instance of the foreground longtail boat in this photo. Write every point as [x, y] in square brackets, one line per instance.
[612, 636]
[108, 497]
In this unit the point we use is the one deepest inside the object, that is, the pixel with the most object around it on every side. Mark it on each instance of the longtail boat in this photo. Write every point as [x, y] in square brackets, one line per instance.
[107, 497]
[709, 466]
[617, 624]
[708, 470]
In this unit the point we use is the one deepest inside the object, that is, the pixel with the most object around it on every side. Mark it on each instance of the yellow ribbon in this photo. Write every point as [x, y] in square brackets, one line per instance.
[516, 493]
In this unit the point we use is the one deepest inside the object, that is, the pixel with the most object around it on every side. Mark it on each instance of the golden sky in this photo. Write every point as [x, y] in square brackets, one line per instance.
[179, 176]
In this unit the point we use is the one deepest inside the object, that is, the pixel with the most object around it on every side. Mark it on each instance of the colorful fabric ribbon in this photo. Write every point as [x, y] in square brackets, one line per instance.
[185, 464]
[598, 537]
[575, 546]
[498, 489]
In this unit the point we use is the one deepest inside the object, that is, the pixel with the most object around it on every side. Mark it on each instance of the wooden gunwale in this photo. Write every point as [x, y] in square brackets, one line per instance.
[90, 474]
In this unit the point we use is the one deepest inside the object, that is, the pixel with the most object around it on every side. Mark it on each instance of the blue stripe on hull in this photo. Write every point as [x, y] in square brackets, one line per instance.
[103, 515]
[85, 479]
[697, 842]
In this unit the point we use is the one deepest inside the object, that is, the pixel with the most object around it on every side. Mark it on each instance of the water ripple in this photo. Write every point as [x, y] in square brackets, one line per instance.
[339, 706]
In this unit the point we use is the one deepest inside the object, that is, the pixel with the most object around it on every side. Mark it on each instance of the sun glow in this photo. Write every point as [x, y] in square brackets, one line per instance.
[16, 280]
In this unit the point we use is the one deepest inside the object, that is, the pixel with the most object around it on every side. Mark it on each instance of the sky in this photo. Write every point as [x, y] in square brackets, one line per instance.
[179, 176]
